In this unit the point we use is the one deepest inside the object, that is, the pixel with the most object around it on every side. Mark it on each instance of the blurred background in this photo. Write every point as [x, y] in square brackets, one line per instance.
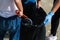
[46, 5]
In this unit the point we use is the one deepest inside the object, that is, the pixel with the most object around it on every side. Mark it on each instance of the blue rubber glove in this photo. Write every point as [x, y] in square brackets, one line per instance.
[48, 17]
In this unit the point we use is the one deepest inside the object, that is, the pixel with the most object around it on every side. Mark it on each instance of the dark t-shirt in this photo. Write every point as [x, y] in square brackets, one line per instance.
[25, 2]
[29, 8]
[31, 11]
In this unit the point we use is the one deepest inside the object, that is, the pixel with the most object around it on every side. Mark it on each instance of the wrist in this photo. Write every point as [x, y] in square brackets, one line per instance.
[51, 13]
[21, 13]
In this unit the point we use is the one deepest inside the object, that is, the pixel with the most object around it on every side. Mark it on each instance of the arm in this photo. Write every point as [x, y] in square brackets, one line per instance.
[20, 11]
[38, 3]
[56, 6]
[51, 13]
[19, 6]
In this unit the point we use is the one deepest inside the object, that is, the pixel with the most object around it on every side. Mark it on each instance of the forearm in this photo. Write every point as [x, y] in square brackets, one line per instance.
[56, 6]
[38, 3]
[19, 5]
[51, 13]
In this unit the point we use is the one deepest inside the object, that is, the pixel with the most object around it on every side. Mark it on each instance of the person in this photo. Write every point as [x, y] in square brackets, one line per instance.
[55, 19]
[9, 20]
[37, 15]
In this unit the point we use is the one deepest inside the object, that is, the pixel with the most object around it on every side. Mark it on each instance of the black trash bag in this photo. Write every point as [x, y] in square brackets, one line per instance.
[27, 22]
[40, 31]
[37, 16]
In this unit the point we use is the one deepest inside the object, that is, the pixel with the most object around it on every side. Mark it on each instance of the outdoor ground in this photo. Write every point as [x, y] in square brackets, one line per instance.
[47, 5]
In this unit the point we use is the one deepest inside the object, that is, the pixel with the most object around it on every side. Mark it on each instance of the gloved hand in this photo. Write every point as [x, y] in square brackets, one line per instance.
[48, 17]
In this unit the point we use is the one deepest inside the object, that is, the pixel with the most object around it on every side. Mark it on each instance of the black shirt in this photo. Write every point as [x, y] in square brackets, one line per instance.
[37, 15]
[29, 9]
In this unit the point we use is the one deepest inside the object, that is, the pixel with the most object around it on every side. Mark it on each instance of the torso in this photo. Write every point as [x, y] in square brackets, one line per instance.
[7, 8]
[30, 7]
[31, 11]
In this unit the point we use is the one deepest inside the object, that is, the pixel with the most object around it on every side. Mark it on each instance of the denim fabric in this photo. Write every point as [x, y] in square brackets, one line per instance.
[11, 24]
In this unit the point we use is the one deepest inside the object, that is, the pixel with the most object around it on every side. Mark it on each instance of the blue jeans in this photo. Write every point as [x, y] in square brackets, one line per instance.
[11, 24]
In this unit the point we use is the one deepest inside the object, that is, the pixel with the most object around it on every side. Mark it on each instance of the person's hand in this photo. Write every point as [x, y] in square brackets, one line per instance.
[48, 17]
[19, 13]
[25, 20]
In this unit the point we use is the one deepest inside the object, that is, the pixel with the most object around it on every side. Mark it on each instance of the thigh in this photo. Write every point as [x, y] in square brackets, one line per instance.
[2, 28]
[14, 28]
[55, 19]
[2, 34]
